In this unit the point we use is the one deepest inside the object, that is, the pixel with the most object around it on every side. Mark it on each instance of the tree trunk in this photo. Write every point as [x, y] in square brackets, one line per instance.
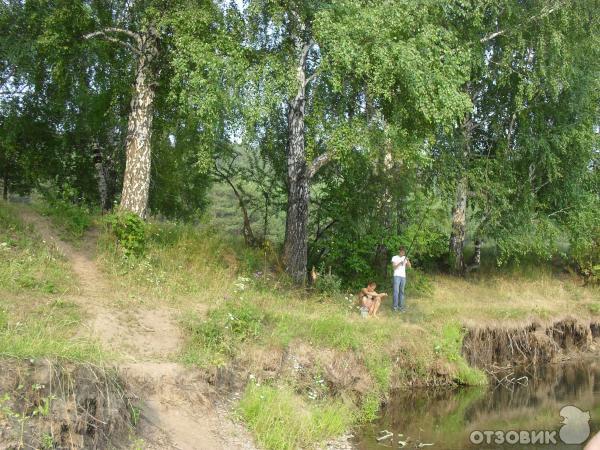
[136, 182]
[295, 251]
[249, 238]
[5, 185]
[101, 177]
[476, 259]
[459, 211]
[296, 225]
[459, 226]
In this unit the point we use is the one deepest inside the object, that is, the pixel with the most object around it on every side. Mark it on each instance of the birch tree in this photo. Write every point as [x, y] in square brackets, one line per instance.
[514, 75]
[281, 79]
[136, 27]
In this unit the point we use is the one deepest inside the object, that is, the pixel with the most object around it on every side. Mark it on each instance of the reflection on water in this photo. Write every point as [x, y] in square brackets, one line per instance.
[447, 418]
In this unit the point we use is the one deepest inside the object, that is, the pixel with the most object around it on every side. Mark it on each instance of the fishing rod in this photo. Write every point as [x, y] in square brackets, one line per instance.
[417, 232]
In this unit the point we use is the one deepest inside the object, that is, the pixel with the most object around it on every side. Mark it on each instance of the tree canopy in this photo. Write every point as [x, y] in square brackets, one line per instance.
[340, 130]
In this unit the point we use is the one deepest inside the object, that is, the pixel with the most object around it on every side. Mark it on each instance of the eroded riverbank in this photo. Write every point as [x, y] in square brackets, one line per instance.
[526, 399]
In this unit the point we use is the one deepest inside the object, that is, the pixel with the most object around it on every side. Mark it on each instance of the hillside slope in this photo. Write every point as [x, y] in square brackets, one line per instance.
[202, 329]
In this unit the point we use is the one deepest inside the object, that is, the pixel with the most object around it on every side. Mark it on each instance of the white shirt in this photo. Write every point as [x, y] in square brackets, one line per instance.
[400, 271]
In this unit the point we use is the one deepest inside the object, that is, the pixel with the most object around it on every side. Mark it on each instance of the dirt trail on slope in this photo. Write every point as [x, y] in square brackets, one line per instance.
[178, 407]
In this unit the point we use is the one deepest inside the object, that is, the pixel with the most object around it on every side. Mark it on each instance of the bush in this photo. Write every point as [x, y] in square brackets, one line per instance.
[329, 283]
[130, 232]
[584, 228]
[74, 220]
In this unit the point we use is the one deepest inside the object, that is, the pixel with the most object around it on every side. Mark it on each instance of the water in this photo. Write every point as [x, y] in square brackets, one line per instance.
[446, 418]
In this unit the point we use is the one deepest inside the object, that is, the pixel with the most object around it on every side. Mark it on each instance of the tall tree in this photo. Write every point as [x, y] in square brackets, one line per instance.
[136, 26]
[515, 81]
[286, 63]
[317, 59]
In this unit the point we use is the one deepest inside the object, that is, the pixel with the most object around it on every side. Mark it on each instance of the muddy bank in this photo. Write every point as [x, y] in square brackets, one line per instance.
[532, 343]
[319, 373]
[56, 404]
[344, 373]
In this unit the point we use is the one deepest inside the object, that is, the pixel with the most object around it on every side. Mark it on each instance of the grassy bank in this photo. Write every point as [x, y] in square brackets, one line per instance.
[36, 318]
[311, 366]
[308, 366]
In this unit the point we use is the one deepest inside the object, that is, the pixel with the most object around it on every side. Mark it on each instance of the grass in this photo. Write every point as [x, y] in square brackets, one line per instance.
[178, 262]
[449, 346]
[35, 319]
[45, 331]
[282, 420]
[231, 307]
[28, 263]
[197, 269]
[72, 221]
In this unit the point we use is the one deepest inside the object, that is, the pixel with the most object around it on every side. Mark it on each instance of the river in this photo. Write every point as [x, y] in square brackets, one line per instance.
[527, 402]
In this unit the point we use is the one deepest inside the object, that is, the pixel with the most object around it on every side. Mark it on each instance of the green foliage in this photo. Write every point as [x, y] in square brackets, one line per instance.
[129, 231]
[536, 238]
[390, 93]
[584, 227]
[281, 420]
[329, 283]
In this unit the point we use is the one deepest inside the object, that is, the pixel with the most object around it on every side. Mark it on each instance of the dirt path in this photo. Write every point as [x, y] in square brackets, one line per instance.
[178, 406]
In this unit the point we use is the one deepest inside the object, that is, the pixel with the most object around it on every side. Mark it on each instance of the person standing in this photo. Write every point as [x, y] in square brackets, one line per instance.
[399, 264]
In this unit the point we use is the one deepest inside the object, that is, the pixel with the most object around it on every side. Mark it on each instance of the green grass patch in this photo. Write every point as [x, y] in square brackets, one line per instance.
[380, 367]
[216, 338]
[71, 220]
[46, 331]
[176, 261]
[594, 308]
[28, 263]
[449, 346]
[332, 331]
[282, 420]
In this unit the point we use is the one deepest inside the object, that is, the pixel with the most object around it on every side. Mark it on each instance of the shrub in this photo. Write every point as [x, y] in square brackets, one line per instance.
[329, 283]
[584, 235]
[74, 220]
[130, 232]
